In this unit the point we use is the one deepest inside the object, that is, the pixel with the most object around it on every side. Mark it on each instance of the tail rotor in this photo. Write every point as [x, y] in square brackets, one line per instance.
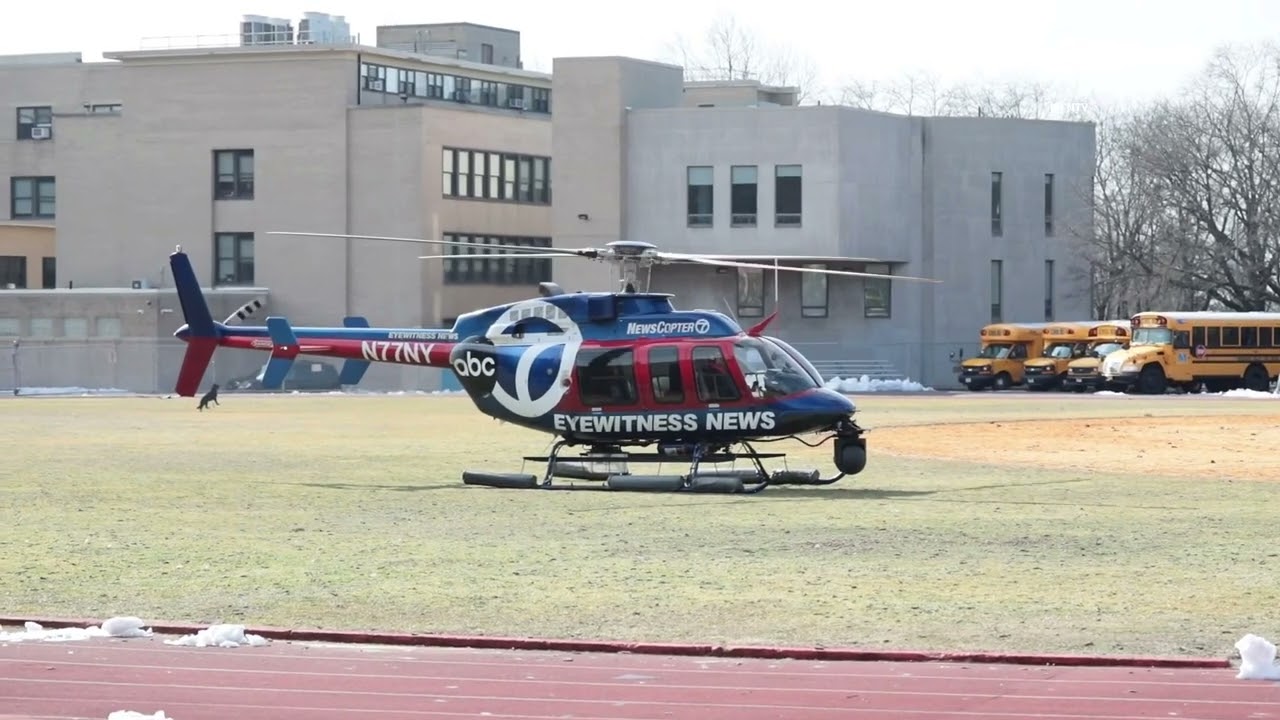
[200, 332]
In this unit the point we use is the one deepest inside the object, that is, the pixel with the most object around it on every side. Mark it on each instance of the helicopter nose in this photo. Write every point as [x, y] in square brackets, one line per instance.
[836, 403]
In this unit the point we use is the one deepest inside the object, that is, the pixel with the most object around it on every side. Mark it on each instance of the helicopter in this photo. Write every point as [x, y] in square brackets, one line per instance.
[620, 377]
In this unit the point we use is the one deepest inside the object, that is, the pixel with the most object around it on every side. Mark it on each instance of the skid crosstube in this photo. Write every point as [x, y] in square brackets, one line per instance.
[580, 468]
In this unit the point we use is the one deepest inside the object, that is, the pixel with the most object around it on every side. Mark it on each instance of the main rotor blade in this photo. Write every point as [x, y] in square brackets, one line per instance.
[702, 260]
[567, 252]
[466, 256]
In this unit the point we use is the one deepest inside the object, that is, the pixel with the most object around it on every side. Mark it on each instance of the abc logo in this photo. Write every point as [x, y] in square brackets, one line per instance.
[470, 366]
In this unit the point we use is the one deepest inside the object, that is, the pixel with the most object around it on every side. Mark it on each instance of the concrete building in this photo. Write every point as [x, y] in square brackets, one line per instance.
[213, 148]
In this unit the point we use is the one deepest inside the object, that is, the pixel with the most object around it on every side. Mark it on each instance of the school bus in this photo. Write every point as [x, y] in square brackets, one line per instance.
[1104, 338]
[1219, 350]
[1063, 342]
[1004, 348]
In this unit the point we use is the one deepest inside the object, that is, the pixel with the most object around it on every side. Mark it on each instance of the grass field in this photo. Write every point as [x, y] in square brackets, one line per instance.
[1035, 523]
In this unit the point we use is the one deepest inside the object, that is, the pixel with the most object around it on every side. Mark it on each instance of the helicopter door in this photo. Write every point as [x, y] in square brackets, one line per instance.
[665, 374]
[712, 376]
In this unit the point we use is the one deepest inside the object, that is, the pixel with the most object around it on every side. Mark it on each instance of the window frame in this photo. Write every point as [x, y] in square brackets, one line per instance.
[242, 185]
[744, 205]
[780, 181]
[745, 307]
[584, 360]
[696, 192]
[37, 198]
[874, 286]
[237, 259]
[808, 310]
[23, 128]
[494, 175]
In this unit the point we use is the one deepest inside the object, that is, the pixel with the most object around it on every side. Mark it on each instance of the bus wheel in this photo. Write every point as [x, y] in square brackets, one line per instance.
[1002, 382]
[1151, 380]
[1255, 378]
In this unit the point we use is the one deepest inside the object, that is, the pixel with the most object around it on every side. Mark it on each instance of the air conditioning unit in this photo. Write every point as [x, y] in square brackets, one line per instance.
[517, 103]
[41, 132]
[376, 84]
[140, 284]
[462, 95]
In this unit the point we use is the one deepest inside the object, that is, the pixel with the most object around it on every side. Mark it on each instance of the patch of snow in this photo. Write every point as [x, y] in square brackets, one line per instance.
[122, 627]
[134, 715]
[866, 384]
[220, 635]
[1257, 659]
[1110, 393]
[1255, 394]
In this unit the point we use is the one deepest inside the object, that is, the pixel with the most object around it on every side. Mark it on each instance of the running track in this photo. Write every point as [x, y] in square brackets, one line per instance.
[316, 681]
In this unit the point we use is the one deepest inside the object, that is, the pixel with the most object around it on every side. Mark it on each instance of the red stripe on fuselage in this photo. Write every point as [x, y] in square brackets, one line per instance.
[399, 352]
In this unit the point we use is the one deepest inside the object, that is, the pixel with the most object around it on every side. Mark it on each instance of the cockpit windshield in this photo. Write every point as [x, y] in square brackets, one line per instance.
[768, 370]
[1152, 336]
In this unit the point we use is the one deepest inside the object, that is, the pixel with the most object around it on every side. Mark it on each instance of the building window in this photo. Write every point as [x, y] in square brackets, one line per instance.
[606, 376]
[49, 272]
[32, 197]
[35, 123]
[711, 375]
[233, 174]
[471, 265]
[665, 380]
[997, 204]
[42, 327]
[1048, 291]
[742, 198]
[997, 290]
[457, 88]
[786, 195]
[750, 292]
[700, 196]
[108, 327]
[701, 210]
[1048, 204]
[234, 258]
[13, 272]
[76, 327]
[813, 293]
[877, 293]
[486, 175]
[106, 109]
[10, 327]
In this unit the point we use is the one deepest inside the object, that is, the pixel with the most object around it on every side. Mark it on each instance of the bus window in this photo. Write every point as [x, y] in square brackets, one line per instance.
[1215, 340]
[1181, 340]
[1197, 336]
[1249, 337]
[1231, 336]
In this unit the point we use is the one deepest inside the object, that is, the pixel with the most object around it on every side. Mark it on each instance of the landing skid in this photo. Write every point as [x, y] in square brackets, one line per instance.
[607, 467]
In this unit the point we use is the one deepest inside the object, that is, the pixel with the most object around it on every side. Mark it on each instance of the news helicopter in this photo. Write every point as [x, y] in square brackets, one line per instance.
[608, 374]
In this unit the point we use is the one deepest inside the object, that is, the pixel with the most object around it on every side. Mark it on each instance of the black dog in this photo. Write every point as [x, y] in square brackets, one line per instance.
[209, 397]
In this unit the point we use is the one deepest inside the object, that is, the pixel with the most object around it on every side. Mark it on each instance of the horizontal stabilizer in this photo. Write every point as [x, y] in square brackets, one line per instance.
[284, 350]
[353, 370]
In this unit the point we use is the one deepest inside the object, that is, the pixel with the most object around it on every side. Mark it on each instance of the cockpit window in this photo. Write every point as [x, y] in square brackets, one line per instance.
[768, 370]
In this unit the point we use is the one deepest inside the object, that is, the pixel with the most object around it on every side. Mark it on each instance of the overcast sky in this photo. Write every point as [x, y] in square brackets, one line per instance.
[1122, 49]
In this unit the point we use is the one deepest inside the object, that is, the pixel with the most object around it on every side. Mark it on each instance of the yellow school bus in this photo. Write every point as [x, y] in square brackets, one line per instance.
[1105, 338]
[1063, 342]
[1004, 348]
[1219, 350]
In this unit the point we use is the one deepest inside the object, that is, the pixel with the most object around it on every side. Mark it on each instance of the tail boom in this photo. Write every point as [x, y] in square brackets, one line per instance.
[371, 345]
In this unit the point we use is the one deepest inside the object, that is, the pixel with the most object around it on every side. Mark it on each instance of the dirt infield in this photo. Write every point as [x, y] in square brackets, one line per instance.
[1220, 447]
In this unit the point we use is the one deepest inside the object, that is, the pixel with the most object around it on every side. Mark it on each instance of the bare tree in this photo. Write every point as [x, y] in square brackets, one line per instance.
[919, 93]
[731, 51]
[1214, 157]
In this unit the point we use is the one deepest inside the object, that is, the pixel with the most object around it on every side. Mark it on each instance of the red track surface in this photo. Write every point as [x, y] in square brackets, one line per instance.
[295, 680]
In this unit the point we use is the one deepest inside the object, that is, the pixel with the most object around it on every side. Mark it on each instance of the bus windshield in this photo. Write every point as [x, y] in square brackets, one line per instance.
[997, 351]
[1060, 351]
[768, 370]
[1152, 336]
[1106, 349]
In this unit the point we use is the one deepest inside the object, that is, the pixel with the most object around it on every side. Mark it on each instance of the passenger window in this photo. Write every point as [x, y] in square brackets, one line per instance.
[711, 373]
[1249, 337]
[664, 375]
[1181, 339]
[1264, 337]
[1019, 352]
[606, 377]
[1214, 341]
[1231, 336]
[1197, 336]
